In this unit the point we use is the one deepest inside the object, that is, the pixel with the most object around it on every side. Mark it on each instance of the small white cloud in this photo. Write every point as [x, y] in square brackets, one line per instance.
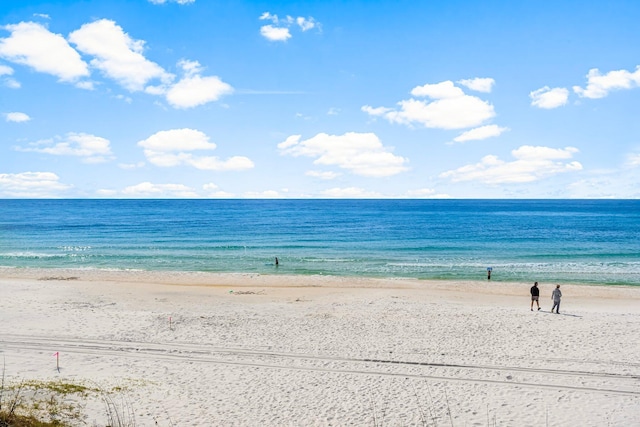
[333, 111]
[194, 90]
[360, 153]
[177, 140]
[9, 82]
[272, 33]
[350, 193]
[31, 185]
[281, 28]
[549, 98]
[148, 189]
[478, 84]
[91, 148]
[117, 55]
[305, 24]
[530, 164]
[171, 148]
[42, 15]
[599, 85]
[450, 108]
[17, 117]
[377, 111]
[327, 175]
[12, 83]
[483, 132]
[86, 85]
[33, 45]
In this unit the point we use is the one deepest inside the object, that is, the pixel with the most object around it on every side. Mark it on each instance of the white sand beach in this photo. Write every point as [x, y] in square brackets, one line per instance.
[189, 349]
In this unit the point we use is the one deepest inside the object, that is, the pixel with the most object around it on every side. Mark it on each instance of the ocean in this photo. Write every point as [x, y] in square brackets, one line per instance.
[559, 241]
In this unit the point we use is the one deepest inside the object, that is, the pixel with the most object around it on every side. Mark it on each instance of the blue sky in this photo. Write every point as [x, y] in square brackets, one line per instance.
[311, 99]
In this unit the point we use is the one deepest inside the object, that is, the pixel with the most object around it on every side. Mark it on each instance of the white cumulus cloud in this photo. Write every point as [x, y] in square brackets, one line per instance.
[599, 85]
[272, 33]
[530, 164]
[548, 98]
[33, 45]
[360, 153]
[193, 89]
[448, 108]
[117, 55]
[31, 185]
[91, 148]
[172, 148]
[482, 132]
[17, 117]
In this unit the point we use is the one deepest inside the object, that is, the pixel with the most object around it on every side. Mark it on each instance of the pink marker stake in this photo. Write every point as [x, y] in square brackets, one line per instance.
[57, 355]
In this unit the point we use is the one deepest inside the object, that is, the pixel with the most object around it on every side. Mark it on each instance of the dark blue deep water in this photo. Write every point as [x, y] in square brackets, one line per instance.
[578, 241]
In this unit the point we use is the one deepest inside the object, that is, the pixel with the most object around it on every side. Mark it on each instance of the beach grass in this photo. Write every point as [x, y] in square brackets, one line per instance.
[59, 404]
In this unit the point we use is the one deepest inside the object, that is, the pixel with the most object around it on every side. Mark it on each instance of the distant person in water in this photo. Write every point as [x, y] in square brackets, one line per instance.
[277, 261]
[535, 295]
[489, 272]
[556, 295]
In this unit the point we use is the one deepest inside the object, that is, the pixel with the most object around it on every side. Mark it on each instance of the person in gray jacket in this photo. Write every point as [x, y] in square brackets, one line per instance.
[556, 295]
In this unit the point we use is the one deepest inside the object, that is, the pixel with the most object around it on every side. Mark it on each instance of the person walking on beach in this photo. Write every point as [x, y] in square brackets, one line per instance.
[535, 295]
[555, 296]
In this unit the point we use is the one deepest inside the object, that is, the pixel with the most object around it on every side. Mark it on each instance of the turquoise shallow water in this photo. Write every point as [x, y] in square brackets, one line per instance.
[581, 241]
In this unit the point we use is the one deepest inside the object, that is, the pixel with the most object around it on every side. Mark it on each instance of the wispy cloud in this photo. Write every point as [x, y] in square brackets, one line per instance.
[280, 29]
[91, 148]
[483, 132]
[530, 164]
